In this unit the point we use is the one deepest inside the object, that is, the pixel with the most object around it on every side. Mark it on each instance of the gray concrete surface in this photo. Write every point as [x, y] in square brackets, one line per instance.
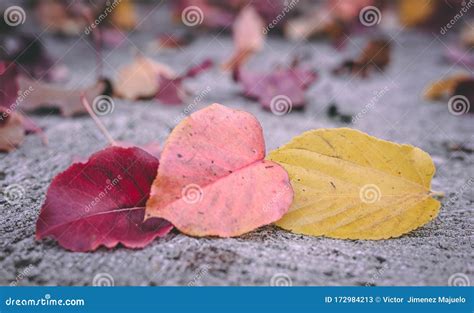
[427, 256]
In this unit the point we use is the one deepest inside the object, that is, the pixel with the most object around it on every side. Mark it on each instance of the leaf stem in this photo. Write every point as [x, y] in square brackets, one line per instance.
[97, 121]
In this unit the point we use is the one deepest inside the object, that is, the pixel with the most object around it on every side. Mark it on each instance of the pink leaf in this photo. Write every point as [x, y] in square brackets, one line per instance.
[213, 180]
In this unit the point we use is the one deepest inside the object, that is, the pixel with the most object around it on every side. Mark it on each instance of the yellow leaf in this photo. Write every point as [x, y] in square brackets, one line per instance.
[444, 87]
[416, 12]
[124, 15]
[350, 185]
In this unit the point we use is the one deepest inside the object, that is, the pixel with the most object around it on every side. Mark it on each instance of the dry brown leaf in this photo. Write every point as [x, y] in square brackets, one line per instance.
[445, 87]
[45, 95]
[12, 131]
[249, 36]
[141, 79]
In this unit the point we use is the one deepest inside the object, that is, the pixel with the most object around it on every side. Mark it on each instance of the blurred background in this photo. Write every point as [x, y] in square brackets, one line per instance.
[400, 70]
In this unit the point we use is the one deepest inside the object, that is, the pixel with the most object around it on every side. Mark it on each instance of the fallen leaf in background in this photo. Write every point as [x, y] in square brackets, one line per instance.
[212, 179]
[8, 84]
[140, 79]
[124, 15]
[172, 91]
[31, 57]
[280, 90]
[350, 185]
[59, 17]
[44, 95]
[316, 22]
[248, 35]
[413, 13]
[445, 87]
[375, 57]
[12, 131]
[10, 100]
[467, 34]
[102, 202]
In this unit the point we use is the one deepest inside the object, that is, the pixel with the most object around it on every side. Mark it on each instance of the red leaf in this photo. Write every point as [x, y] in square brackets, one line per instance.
[213, 180]
[101, 202]
[286, 83]
[171, 90]
[8, 85]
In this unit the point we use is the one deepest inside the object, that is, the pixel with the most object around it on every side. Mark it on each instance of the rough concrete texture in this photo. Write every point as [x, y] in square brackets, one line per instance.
[427, 256]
